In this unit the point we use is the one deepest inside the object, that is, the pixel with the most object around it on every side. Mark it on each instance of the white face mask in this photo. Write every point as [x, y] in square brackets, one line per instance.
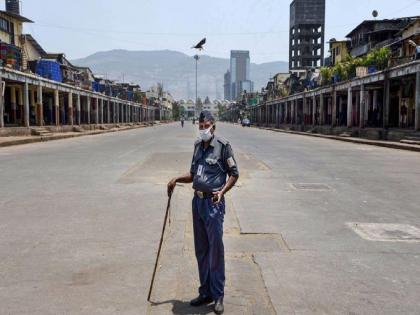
[206, 134]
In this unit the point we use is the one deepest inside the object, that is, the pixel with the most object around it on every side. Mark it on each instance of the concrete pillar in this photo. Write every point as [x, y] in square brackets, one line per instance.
[26, 106]
[349, 108]
[321, 109]
[102, 110]
[304, 109]
[32, 105]
[266, 114]
[386, 100]
[88, 108]
[117, 112]
[40, 107]
[295, 102]
[375, 99]
[2, 103]
[96, 102]
[13, 104]
[417, 103]
[362, 106]
[368, 104]
[108, 112]
[21, 103]
[78, 110]
[70, 108]
[32, 101]
[57, 107]
[314, 110]
[292, 112]
[334, 108]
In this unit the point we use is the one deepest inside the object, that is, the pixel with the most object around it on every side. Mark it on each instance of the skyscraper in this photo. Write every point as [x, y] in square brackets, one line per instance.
[307, 34]
[227, 85]
[240, 74]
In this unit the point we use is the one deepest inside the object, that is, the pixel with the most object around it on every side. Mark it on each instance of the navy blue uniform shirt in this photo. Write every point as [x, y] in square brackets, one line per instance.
[210, 167]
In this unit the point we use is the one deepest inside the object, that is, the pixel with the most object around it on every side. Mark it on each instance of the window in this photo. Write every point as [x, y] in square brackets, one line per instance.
[4, 25]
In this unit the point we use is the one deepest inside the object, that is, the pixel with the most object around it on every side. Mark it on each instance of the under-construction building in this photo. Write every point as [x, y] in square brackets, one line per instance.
[307, 34]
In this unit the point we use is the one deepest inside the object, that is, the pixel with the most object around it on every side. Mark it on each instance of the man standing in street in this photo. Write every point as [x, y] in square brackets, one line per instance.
[213, 173]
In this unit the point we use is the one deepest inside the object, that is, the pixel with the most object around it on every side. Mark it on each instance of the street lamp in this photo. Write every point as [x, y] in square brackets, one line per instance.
[199, 47]
[196, 57]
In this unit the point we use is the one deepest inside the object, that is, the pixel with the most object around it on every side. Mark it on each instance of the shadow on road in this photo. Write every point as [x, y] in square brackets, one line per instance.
[184, 308]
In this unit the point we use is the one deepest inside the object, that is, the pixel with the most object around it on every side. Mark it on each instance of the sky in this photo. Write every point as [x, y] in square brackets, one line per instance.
[82, 27]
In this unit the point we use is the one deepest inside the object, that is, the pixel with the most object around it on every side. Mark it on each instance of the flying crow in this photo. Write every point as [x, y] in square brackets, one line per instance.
[200, 45]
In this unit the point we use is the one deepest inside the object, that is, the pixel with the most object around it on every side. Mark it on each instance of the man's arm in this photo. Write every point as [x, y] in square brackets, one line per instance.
[185, 179]
[233, 173]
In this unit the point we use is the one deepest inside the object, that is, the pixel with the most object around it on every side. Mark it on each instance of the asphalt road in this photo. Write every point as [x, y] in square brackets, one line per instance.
[315, 226]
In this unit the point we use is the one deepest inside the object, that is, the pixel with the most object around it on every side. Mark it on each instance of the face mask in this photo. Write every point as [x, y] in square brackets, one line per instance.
[206, 135]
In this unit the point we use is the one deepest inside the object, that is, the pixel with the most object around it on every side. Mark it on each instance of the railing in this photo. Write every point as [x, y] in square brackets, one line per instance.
[400, 61]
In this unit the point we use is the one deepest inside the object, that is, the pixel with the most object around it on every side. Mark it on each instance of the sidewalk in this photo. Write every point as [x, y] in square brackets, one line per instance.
[380, 143]
[12, 141]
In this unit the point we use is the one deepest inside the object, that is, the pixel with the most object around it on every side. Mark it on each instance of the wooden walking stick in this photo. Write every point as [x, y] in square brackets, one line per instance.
[168, 207]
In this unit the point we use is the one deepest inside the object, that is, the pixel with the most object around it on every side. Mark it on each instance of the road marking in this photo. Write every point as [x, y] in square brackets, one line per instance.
[386, 232]
[311, 186]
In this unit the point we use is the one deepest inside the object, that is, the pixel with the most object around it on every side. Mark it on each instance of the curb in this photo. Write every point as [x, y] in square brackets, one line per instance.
[385, 144]
[64, 136]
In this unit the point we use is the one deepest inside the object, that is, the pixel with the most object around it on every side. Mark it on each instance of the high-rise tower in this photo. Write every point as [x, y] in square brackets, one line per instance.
[307, 34]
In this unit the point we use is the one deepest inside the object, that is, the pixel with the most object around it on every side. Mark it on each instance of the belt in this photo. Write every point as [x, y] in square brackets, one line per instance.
[203, 195]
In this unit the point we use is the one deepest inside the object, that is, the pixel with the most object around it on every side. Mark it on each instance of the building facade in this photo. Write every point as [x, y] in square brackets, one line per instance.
[371, 34]
[339, 50]
[307, 34]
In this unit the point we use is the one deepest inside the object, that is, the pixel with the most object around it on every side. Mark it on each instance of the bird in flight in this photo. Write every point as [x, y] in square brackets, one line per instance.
[200, 45]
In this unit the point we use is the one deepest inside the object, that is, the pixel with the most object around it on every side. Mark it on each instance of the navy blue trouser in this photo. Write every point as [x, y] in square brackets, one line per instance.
[209, 250]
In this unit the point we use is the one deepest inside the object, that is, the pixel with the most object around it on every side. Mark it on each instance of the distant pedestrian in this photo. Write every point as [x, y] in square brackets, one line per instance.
[213, 173]
[182, 122]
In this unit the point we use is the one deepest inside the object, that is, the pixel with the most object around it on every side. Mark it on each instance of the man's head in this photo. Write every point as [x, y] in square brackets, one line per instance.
[206, 121]
[207, 126]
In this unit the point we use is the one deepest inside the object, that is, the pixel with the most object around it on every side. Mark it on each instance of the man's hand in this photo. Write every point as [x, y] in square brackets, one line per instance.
[217, 196]
[171, 186]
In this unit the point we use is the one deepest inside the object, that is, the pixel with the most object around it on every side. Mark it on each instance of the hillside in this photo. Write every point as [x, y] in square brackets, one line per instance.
[174, 69]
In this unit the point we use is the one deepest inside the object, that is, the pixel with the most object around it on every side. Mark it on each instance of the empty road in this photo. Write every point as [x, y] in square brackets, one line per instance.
[314, 226]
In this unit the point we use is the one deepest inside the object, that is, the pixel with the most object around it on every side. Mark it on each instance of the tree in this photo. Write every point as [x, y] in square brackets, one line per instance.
[178, 111]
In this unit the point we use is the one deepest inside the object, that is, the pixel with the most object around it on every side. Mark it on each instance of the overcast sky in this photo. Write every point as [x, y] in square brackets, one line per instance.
[82, 27]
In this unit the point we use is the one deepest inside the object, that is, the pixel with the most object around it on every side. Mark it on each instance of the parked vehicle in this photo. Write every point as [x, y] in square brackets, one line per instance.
[246, 122]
